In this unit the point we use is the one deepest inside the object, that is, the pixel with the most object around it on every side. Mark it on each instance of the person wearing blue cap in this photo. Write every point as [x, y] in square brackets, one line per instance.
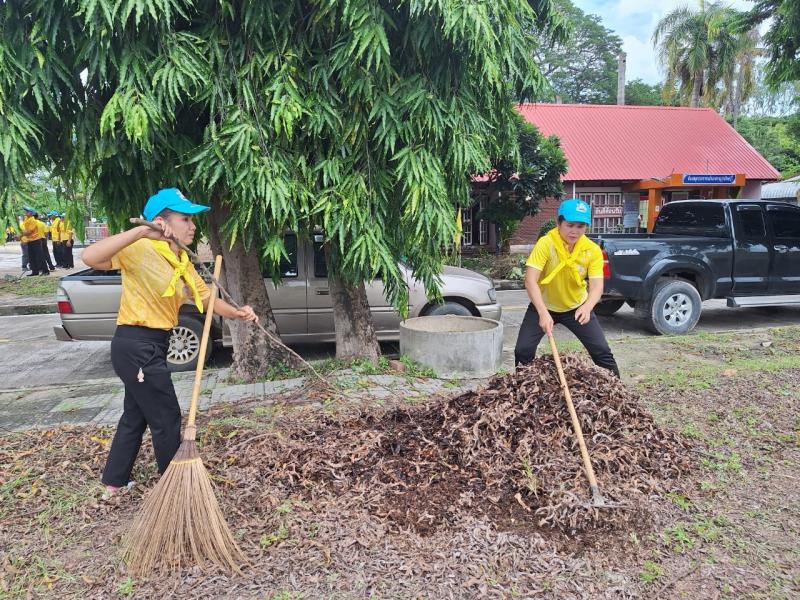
[33, 239]
[157, 277]
[558, 268]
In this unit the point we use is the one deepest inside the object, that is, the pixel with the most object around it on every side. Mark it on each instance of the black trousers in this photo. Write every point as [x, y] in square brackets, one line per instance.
[58, 253]
[25, 259]
[149, 403]
[36, 258]
[46, 254]
[66, 254]
[591, 336]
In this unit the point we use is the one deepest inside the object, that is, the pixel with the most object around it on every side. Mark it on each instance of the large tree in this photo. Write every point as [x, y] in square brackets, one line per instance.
[364, 117]
[697, 48]
[777, 139]
[581, 66]
[516, 188]
[782, 38]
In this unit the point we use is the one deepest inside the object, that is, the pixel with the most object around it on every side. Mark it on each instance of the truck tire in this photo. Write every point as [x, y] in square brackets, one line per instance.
[606, 308]
[448, 307]
[675, 308]
[184, 344]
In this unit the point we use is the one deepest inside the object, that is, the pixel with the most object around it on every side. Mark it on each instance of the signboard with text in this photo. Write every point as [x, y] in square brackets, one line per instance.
[708, 179]
[607, 211]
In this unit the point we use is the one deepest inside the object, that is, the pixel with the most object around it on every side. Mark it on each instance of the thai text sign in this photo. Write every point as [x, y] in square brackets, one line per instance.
[708, 179]
[607, 211]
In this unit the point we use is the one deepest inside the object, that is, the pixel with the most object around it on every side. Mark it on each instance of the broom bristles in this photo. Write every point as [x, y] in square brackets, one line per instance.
[180, 523]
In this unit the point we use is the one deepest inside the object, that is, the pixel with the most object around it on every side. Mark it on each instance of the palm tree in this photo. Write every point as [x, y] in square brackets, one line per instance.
[696, 48]
[738, 82]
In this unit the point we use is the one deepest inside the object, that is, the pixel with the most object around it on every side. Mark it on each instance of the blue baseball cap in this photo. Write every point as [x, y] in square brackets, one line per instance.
[52, 213]
[575, 211]
[173, 199]
[29, 209]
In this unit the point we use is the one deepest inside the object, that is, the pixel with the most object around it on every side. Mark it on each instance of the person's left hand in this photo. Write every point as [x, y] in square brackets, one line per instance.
[583, 315]
[246, 313]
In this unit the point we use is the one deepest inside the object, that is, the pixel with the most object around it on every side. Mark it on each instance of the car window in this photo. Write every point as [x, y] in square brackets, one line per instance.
[288, 266]
[320, 266]
[751, 220]
[785, 222]
[707, 220]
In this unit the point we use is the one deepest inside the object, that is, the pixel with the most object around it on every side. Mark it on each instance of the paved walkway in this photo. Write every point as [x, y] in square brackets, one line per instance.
[100, 401]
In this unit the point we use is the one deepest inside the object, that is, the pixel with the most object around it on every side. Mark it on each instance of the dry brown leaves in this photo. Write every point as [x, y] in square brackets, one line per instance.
[506, 451]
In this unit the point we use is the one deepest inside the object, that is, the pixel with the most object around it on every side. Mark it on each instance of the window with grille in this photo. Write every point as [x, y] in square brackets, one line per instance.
[466, 224]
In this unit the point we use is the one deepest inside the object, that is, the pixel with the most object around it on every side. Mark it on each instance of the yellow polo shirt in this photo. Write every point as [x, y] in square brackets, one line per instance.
[145, 276]
[55, 230]
[28, 224]
[567, 289]
[66, 231]
[42, 228]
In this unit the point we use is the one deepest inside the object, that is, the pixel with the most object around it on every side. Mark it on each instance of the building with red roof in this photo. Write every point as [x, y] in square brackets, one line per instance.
[627, 161]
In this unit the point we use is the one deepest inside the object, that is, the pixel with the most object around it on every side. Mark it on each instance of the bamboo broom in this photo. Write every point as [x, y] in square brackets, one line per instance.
[180, 523]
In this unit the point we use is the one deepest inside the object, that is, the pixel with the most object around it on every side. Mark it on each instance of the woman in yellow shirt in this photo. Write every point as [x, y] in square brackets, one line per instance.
[157, 277]
[558, 268]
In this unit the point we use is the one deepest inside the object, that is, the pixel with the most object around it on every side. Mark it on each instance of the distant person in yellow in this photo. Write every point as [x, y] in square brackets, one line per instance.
[556, 281]
[11, 233]
[157, 277]
[67, 238]
[43, 231]
[33, 236]
[55, 236]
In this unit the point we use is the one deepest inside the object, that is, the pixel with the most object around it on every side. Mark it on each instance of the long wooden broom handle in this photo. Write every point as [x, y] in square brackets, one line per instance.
[228, 297]
[576, 425]
[191, 431]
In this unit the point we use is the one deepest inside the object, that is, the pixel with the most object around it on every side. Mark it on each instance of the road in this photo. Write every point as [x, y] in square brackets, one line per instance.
[31, 356]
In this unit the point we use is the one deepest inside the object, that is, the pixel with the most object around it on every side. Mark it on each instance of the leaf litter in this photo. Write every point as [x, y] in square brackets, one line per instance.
[484, 480]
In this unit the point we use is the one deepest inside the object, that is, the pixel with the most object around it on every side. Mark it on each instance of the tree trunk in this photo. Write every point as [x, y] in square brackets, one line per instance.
[352, 319]
[253, 351]
[696, 87]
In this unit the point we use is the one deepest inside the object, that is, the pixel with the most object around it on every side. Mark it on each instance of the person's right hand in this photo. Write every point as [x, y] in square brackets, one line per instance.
[546, 323]
[150, 233]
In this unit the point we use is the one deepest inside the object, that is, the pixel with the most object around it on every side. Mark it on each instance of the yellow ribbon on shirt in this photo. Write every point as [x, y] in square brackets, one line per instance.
[180, 266]
[565, 259]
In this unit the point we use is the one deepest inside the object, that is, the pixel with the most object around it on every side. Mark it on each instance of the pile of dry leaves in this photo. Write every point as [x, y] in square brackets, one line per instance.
[506, 451]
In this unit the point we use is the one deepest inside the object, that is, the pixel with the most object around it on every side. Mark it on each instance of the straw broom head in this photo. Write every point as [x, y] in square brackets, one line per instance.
[180, 523]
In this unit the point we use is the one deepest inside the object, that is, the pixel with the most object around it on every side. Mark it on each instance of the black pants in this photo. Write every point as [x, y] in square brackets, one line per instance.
[25, 260]
[36, 258]
[58, 254]
[46, 254]
[66, 254]
[591, 336]
[149, 403]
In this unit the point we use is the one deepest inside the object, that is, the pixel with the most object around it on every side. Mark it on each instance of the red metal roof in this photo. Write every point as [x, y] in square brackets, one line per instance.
[605, 142]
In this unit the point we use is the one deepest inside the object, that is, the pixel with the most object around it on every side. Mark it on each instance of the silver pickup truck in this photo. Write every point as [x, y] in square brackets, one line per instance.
[88, 302]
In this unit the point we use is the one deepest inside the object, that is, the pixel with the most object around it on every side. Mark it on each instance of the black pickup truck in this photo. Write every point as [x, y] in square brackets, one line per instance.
[746, 251]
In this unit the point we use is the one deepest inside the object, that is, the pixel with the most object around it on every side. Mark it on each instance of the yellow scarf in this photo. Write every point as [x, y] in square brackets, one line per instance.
[566, 259]
[180, 266]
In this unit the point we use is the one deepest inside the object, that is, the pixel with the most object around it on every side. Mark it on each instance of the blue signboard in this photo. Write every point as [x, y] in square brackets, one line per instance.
[708, 179]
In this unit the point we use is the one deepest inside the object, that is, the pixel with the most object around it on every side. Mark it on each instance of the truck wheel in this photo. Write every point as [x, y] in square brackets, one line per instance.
[184, 344]
[675, 308]
[606, 308]
[448, 308]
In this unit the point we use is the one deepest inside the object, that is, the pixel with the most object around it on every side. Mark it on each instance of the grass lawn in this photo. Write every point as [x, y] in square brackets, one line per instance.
[30, 286]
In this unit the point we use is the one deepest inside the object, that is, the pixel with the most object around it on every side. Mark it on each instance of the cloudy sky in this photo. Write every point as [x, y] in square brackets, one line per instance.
[634, 21]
